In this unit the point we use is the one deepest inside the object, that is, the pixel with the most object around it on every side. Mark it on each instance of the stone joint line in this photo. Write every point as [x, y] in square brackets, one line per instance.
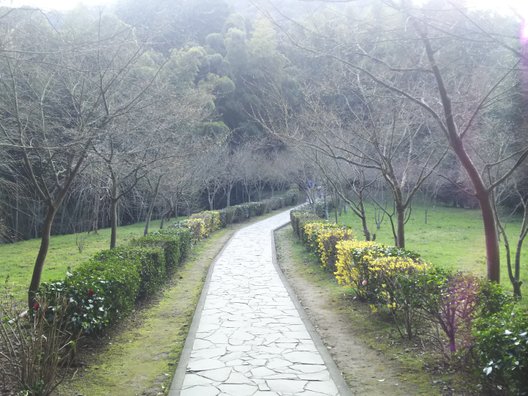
[250, 338]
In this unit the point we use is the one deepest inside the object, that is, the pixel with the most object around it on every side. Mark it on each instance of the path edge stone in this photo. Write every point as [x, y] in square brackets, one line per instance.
[181, 369]
[335, 373]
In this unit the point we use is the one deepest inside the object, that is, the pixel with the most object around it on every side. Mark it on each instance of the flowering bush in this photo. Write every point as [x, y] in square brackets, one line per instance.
[309, 234]
[197, 227]
[299, 218]
[211, 219]
[322, 239]
[355, 265]
[399, 285]
[349, 255]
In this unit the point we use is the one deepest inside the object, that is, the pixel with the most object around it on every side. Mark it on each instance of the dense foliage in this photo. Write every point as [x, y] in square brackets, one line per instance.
[472, 322]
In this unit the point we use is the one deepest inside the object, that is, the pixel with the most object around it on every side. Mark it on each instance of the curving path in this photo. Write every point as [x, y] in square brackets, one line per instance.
[248, 336]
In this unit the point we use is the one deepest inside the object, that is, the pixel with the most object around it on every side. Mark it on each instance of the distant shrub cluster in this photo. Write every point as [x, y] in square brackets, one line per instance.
[243, 212]
[471, 320]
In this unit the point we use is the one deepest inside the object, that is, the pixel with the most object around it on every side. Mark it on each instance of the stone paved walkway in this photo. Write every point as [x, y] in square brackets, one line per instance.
[250, 338]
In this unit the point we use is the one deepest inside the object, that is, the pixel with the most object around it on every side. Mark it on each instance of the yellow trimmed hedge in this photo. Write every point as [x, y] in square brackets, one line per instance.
[322, 239]
[367, 266]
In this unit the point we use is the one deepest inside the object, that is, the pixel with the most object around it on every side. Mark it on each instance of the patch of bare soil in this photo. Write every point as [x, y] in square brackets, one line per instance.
[366, 371]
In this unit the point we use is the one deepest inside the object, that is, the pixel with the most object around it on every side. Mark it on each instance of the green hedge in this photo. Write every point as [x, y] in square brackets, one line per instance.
[243, 212]
[183, 235]
[170, 244]
[501, 346]
[107, 287]
[100, 291]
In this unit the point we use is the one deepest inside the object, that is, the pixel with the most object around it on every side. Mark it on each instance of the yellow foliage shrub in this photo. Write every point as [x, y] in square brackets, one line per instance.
[327, 239]
[348, 255]
[363, 265]
[211, 220]
[322, 237]
[198, 228]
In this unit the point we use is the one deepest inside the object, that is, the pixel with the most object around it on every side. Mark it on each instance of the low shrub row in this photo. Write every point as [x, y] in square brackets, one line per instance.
[243, 212]
[107, 287]
[470, 319]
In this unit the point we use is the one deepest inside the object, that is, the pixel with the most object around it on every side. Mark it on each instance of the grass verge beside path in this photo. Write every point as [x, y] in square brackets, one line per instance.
[372, 356]
[140, 355]
[17, 259]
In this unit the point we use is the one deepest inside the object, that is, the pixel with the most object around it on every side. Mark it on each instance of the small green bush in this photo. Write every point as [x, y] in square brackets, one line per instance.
[197, 228]
[99, 291]
[275, 203]
[242, 213]
[501, 345]
[492, 299]
[292, 197]
[258, 208]
[153, 268]
[227, 216]
[183, 235]
[169, 243]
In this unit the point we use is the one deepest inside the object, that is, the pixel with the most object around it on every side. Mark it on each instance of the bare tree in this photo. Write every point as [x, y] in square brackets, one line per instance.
[60, 91]
[435, 59]
[513, 193]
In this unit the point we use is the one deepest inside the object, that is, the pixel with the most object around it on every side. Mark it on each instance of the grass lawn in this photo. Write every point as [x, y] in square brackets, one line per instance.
[452, 238]
[17, 259]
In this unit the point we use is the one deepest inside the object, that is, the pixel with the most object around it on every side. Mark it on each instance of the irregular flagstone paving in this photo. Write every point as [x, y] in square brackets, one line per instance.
[250, 339]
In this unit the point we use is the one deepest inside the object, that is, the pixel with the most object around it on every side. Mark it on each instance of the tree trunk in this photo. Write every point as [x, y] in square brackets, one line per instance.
[151, 206]
[113, 210]
[481, 192]
[17, 211]
[95, 220]
[366, 231]
[486, 209]
[113, 222]
[228, 195]
[363, 217]
[516, 282]
[400, 238]
[210, 198]
[41, 257]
